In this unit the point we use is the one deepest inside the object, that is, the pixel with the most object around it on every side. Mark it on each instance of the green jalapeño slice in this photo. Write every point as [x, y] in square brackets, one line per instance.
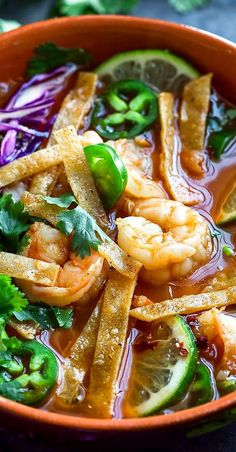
[109, 172]
[125, 110]
[28, 372]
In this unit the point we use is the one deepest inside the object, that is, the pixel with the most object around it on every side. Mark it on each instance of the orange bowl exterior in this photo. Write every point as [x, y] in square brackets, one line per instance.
[104, 36]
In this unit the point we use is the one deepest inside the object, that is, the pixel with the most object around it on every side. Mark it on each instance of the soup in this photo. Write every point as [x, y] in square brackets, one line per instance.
[117, 228]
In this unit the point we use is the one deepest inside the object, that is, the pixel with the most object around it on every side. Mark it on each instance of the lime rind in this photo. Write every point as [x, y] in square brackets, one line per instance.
[183, 372]
[228, 210]
[227, 218]
[142, 56]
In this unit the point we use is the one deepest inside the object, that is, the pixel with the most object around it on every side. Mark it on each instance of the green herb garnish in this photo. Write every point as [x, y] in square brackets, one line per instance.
[14, 221]
[48, 56]
[11, 300]
[87, 234]
[64, 200]
[48, 317]
[78, 7]
[85, 231]
[185, 6]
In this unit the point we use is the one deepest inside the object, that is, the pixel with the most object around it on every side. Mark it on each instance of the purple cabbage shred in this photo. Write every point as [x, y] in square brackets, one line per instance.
[26, 120]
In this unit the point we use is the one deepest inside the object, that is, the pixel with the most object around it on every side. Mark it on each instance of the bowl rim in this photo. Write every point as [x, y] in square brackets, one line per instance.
[199, 413]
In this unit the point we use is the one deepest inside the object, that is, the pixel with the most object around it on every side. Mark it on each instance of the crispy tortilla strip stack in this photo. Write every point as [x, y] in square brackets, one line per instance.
[80, 358]
[34, 270]
[111, 337]
[185, 305]
[193, 120]
[177, 186]
[115, 256]
[74, 108]
[29, 165]
[79, 175]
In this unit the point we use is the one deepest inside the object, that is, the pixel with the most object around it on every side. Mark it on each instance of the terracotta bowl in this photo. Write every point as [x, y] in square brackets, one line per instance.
[104, 36]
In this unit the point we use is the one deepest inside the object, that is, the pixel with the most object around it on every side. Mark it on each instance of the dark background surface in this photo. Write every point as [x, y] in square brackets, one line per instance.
[220, 18]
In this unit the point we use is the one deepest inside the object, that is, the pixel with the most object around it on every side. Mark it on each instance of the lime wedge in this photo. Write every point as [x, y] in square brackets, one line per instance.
[162, 70]
[161, 373]
[228, 211]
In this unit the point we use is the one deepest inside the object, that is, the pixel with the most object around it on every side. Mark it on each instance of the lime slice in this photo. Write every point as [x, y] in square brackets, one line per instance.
[161, 373]
[162, 70]
[228, 211]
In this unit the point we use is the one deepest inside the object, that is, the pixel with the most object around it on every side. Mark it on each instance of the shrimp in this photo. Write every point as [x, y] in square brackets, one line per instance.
[218, 326]
[170, 239]
[77, 278]
[136, 155]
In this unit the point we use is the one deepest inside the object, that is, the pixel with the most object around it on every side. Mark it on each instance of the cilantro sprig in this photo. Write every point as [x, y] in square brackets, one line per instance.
[13, 303]
[14, 221]
[64, 200]
[48, 317]
[87, 234]
[76, 8]
[48, 56]
[86, 231]
[11, 300]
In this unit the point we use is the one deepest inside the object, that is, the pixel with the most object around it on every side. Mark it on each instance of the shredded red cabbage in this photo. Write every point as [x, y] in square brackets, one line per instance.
[26, 120]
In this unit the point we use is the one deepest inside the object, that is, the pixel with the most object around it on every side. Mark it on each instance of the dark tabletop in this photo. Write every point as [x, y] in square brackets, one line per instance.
[218, 17]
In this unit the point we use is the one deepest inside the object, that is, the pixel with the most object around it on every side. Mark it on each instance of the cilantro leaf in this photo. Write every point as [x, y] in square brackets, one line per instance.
[76, 8]
[48, 317]
[87, 234]
[11, 299]
[14, 220]
[61, 201]
[185, 6]
[85, 231]
[64, 316]
[49, 56]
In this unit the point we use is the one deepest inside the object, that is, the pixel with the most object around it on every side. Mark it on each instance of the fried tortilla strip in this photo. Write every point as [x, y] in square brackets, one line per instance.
[34, 270]
[27, 329]
[188, 304]
[79, 175]
[73, 111]
[29, 165]
[177, 186]
[37, 207]
[80, 359]
[221, 280]
[193, 120]
[118, 259]
[115, 256]
[76, 104]
[44, 182]
[110, 343]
